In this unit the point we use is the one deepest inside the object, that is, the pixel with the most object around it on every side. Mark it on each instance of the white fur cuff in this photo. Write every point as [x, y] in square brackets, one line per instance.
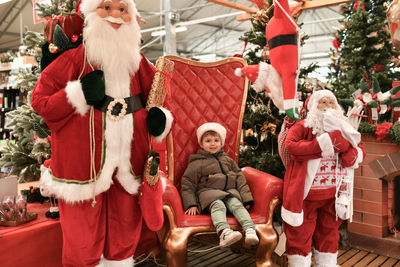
[129, 262]
[168, 125]
[76, 97]
[325, 259]
[325, 143]
[292, 218]
[290, 103]
[299, 260]
[360, 157]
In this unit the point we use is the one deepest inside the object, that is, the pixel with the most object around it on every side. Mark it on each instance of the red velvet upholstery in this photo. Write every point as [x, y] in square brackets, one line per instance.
[202, 94]
[210, 93]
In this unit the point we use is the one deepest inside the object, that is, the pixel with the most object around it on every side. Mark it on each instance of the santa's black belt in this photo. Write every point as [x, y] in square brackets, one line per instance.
[284, 39]
[117, 108]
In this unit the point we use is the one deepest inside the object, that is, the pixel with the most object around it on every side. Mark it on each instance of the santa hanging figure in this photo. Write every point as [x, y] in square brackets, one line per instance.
[279, 79]
[324, 151]
[92, 98]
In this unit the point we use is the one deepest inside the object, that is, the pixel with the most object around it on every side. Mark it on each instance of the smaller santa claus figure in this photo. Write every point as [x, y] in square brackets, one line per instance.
[324, 151]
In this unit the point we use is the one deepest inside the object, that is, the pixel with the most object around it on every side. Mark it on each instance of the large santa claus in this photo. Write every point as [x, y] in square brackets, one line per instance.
[324, 150]
[92, 99]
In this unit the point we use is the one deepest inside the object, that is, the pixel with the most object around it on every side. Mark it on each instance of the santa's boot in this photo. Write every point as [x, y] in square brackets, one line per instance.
[299, 261]
[325, 259]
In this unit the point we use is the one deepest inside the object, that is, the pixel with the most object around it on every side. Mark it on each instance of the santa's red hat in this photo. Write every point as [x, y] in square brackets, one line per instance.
[257, 74]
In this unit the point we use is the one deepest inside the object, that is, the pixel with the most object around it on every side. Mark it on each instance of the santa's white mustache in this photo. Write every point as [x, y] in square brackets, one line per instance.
[114, 20]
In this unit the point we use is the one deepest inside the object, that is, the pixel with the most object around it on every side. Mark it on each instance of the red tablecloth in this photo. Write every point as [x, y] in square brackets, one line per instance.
[34, 244]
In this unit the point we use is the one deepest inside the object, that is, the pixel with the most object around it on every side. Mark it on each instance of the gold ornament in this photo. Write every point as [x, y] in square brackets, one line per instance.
[249, 132]
[53, 48]
[379, 46]
[373, 34]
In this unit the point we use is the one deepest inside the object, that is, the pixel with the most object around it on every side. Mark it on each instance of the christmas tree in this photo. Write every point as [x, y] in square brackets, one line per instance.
[32, 143]
[262, 120]
[363, 49]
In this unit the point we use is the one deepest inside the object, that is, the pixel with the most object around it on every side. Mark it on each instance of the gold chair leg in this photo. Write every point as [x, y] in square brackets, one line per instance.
[176, 246]
[268, 242]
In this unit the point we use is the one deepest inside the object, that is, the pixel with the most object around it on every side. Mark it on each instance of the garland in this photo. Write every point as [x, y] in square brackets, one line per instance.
[381, 131]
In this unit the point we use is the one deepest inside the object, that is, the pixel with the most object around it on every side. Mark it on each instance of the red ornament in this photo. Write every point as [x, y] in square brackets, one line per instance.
[74, 38]
[336, 43]
[357, 5]
[32, 191]
[379, 67]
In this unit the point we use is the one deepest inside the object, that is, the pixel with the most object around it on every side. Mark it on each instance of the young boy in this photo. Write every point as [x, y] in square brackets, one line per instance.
[213, 182]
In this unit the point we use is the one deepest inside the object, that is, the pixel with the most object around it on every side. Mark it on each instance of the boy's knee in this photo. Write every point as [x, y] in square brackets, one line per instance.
[217, 205]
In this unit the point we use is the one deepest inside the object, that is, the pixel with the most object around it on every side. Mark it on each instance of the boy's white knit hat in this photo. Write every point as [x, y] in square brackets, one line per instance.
[212, 126]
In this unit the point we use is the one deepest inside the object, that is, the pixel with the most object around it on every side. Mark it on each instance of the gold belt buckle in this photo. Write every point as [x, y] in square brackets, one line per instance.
[111, 106]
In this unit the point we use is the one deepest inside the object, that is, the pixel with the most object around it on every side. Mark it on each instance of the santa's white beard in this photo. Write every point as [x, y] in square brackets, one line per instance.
[116, 52]
[315, 118]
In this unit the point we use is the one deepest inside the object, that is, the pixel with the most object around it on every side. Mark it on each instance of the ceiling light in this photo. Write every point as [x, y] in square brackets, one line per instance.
[4, 1]
[161, 33]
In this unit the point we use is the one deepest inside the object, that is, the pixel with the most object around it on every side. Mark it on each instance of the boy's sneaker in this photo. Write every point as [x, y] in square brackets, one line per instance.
[251, 238]
[229, 237]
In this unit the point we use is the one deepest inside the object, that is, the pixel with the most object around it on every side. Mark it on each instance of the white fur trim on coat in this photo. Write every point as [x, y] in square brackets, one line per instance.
[292, 218]
[299, 261]
[76, 97]
[325, 143]
[325, 259]
[72, 193]
[168, 125]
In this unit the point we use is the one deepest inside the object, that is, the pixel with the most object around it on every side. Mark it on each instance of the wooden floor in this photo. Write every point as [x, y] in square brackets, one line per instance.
[203, 252]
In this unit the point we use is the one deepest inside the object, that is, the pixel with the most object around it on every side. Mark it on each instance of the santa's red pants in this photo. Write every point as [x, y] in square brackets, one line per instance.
[112, 228]
[320, 228]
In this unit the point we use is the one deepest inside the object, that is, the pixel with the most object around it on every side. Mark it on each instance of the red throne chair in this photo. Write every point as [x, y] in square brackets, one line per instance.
[210, 92]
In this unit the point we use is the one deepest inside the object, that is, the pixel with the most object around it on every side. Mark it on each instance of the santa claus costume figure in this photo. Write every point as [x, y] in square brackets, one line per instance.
[92, 99]
[324, 150]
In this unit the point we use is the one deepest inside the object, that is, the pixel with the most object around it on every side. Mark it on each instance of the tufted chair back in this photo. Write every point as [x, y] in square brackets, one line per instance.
[203, 92]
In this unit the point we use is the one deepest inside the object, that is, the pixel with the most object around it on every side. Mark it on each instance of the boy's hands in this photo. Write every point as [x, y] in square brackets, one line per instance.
[192, 211]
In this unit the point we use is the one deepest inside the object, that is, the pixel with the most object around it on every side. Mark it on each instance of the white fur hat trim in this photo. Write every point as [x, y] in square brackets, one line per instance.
[317, 95]
[211, 126]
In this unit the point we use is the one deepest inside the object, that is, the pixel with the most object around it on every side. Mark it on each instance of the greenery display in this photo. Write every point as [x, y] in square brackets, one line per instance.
[394, 133]
[363, 48]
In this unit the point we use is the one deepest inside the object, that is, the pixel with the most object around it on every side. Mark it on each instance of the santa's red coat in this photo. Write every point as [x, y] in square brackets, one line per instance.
[68, 174]
[306, 151]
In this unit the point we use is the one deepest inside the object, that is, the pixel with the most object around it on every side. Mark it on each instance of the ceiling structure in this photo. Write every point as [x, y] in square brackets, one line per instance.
[204, 30]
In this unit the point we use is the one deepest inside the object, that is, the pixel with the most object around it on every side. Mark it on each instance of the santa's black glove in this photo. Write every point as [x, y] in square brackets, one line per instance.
[93, 87]
[156, 121]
